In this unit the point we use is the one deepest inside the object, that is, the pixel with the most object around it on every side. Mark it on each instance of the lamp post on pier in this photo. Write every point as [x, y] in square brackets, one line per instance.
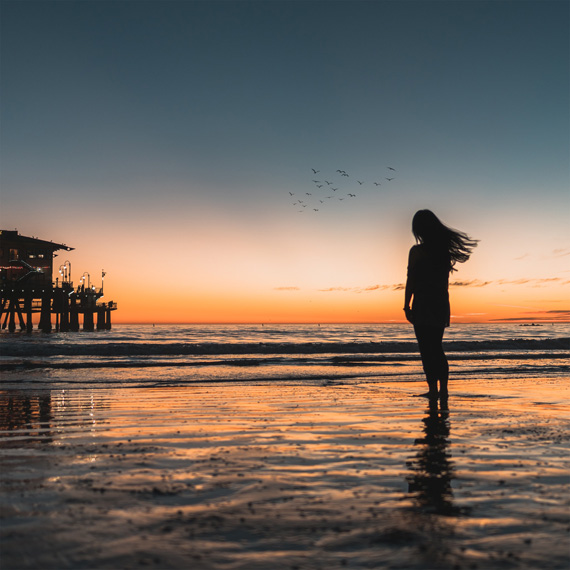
[88, 279]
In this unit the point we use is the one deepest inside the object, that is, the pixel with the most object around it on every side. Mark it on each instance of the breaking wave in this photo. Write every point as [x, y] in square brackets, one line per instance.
[128, 349]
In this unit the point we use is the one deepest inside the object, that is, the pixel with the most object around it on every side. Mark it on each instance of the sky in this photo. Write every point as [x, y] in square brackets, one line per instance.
[172, 144]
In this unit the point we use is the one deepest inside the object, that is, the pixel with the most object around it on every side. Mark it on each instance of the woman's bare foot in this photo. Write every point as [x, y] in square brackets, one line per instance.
[431, 395]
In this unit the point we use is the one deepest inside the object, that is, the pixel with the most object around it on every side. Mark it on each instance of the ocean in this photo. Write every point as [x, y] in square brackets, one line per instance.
[166, 355]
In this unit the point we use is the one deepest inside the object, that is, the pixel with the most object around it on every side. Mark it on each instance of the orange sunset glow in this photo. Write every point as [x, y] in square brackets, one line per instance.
[239, 279]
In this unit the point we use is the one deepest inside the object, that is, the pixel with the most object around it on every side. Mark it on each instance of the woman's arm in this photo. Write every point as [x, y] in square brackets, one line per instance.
[410, 282]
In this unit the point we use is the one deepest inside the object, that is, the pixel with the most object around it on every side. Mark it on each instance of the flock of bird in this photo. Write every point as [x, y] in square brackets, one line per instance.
[333, 188]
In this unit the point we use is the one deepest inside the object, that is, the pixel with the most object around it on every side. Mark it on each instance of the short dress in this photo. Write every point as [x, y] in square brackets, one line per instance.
[428, 275]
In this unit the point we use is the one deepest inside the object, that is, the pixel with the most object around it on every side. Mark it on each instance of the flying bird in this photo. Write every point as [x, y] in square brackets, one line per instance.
[344, 174]
[319, 185]
[388, 179]
[361, 183]
[376, 183]
[315, 171]
[390, 168]
[291, 193]
[352, 195]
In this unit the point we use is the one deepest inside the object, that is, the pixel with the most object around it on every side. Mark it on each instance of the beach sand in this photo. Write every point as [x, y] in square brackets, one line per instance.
[283, 475]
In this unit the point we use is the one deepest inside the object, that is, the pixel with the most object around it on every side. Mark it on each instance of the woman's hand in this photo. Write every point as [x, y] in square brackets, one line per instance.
[408, 313]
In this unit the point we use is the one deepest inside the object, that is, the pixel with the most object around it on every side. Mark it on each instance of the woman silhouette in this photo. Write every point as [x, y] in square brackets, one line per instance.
[438, 249]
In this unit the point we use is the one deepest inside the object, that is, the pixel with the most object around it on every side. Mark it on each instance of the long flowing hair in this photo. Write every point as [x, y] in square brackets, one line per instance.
[442, 240]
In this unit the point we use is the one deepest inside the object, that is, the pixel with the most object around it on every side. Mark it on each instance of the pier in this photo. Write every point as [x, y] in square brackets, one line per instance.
[27, 289]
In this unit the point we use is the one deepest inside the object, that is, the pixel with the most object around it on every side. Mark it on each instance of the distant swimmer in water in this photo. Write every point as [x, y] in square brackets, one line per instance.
[430, 261]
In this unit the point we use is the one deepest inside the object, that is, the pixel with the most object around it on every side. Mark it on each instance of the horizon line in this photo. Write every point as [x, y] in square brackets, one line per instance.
[319, 323]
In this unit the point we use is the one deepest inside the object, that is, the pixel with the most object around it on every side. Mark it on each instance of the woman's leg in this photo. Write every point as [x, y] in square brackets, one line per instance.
[442, 366]
[430, 343]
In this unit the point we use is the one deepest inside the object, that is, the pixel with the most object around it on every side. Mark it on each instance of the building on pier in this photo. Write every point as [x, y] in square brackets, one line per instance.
[27, 288]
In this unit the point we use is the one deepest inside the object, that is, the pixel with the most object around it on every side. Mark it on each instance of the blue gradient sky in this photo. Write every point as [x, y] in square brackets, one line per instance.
[174, 131]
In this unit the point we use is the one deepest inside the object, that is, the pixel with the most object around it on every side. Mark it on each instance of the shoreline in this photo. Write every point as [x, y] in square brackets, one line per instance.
[287, 475]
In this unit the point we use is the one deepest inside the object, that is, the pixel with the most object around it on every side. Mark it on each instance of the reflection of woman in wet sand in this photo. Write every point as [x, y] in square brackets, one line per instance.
[438, 249]
[431, 467]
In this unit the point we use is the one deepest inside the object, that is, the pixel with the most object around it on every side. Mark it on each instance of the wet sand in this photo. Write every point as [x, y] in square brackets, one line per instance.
[271, 476]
